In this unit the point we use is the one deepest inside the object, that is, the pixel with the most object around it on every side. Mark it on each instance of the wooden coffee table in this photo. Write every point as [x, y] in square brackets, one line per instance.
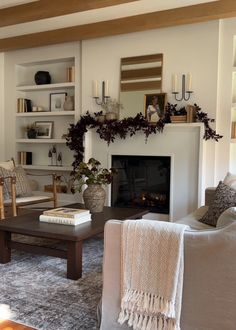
[73, 236]
[10, 325]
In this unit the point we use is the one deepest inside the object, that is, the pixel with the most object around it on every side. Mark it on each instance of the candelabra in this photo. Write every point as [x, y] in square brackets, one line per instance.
[105, 92]
[185, 93]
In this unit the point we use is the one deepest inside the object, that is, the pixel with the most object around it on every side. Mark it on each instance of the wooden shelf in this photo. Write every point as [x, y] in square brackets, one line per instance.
[51, 141]
[47, 168]
[46, 114]
[45, 87]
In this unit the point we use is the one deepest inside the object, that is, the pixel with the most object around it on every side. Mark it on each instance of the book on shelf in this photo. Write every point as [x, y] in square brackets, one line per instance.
[233, 130]
[67, 212]
[191, 113]
[65, 221]
[71, 74]
[24, 105]
[25, 157]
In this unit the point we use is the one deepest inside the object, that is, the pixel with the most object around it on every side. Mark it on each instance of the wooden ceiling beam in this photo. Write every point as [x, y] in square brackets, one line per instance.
[184, 15]
[45, 9]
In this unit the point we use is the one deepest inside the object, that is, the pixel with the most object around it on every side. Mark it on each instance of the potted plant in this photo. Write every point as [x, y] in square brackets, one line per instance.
[92, 175]
[31, 130]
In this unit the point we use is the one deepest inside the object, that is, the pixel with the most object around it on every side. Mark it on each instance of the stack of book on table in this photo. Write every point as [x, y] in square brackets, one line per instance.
[66, 216]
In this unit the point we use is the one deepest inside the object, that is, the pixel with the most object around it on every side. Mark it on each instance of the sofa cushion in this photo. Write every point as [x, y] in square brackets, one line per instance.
[225, 197]
[23, 188]
[227, 217]
[192, 219]
[230, 180]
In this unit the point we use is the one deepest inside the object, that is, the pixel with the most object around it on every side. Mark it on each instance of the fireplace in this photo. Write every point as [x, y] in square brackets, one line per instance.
[142, 182]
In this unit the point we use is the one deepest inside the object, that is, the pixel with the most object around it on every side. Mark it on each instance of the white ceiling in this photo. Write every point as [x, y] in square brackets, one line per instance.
[91, 16]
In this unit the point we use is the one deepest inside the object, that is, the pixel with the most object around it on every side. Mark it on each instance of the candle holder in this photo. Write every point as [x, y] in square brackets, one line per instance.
[186, 94]
[104, 97]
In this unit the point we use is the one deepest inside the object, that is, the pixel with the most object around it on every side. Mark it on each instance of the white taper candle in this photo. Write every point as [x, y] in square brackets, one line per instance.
[174, 83]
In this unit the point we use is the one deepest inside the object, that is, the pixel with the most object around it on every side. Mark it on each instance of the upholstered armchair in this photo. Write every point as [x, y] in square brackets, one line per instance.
[209, 295]
[16, 192]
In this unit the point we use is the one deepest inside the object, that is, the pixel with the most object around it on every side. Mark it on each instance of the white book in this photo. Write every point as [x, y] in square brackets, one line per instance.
[64, 221]
[66, 212]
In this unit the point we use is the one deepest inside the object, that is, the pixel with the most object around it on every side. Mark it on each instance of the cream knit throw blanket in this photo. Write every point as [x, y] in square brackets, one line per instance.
[152, 274]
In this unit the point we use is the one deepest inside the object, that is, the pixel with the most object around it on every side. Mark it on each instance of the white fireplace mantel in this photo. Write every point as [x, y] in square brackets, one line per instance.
[182, 142]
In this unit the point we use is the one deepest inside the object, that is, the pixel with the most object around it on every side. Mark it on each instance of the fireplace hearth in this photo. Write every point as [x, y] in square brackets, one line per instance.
[142, 182]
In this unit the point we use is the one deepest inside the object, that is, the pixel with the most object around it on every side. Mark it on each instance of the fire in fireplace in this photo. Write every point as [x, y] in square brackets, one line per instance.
[141, 182]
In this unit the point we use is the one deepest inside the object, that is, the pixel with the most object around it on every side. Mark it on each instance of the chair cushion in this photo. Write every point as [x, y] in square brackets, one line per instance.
[225, 197]
[192, 219]
[8, 165]
[23, 188]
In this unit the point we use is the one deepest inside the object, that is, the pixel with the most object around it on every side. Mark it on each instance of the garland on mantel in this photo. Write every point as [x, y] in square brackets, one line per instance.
[109, 130]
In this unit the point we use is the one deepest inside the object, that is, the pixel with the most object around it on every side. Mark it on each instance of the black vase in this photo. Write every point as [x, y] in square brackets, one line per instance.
[42, 77]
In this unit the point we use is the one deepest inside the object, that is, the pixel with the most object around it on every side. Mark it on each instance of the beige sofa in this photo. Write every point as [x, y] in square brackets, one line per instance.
[209, 292]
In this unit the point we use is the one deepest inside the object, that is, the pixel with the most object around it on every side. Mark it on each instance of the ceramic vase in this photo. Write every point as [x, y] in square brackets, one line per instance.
[69, 103]
[94, 198]
[42, 77]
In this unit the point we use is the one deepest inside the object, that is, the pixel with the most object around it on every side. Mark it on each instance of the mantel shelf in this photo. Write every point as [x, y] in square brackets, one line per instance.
[45, 87]
[46, 114]
[50, 141]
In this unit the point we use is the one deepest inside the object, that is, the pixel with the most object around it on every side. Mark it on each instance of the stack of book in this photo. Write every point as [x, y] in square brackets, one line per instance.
[66, 216]
[25, 157]
[24, 105]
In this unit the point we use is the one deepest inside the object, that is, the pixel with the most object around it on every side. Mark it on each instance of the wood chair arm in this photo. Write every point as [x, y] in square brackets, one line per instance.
[2, 211]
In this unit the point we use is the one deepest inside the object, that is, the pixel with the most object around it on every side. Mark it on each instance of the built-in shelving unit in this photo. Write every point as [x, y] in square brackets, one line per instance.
[233, 114]
[40, 98]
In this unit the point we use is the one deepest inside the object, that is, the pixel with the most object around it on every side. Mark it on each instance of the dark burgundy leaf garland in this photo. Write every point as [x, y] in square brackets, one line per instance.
[209, 133]
[110, 129]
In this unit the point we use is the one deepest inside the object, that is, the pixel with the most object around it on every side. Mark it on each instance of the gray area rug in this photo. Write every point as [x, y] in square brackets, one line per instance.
[39, 294]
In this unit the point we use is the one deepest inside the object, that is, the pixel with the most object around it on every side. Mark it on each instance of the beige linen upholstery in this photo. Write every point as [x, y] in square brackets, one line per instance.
[209, 287]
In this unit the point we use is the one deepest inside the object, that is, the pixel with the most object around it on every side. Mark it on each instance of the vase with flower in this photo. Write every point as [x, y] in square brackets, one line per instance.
[95, 177]
[112, 109]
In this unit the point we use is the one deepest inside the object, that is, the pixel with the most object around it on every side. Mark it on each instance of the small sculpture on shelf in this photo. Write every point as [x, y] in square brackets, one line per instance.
[56, 158]
[59, 159]
[50, 156]
[54, 155]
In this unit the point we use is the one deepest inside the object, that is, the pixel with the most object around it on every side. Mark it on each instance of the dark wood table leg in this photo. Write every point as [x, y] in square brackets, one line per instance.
[74, 260]
[5, 250]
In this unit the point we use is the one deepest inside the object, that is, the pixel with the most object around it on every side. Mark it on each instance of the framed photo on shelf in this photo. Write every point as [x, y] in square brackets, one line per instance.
[57, 101]
[154, 106]
[44, 129]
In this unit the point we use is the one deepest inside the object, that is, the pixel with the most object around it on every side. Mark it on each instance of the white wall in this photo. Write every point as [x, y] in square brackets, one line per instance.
[190, 48]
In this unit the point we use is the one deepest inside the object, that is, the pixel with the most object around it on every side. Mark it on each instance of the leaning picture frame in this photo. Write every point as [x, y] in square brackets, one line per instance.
[57, 101]
[44, 129]
[154, 106]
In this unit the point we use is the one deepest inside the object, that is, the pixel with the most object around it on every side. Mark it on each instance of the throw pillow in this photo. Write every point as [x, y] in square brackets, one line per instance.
[225, 197]
[230, 180]
[227, 217]
[22, 183]
[3, 174]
